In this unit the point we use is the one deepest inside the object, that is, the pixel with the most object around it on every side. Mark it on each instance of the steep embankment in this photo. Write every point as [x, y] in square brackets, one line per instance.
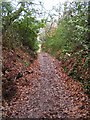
[15, 65]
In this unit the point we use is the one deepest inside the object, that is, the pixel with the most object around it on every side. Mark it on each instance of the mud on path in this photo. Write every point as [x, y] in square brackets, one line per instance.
[47, 92]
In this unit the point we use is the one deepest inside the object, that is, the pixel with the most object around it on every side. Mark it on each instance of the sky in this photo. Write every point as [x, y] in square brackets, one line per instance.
[48, 4]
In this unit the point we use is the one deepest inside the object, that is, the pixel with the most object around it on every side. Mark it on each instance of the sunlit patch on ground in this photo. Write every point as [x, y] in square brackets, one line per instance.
[39, 50]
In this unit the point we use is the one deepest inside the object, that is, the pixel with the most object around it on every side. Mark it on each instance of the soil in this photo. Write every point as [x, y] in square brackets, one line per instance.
[46, 91]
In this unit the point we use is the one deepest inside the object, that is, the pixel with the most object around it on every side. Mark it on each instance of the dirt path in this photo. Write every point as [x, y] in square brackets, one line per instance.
[50, 93]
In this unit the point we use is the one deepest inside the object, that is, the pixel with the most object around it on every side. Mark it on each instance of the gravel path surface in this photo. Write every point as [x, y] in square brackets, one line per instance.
[50, 93]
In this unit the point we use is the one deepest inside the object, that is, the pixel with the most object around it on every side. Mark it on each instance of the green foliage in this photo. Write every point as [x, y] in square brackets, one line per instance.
[72, 30]
[20, 26]
[72, 38]
[26, 64]
[6, 8]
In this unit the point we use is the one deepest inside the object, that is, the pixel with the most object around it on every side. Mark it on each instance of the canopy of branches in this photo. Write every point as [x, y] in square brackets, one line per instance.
[20, 25]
